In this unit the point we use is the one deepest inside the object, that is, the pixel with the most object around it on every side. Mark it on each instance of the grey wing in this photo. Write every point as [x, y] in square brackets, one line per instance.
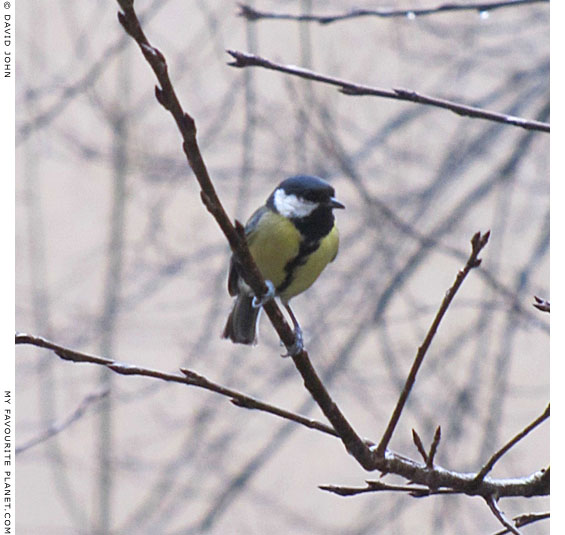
[250, 226]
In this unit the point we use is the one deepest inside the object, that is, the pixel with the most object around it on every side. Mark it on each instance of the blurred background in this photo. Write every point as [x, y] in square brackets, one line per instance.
[117, 256]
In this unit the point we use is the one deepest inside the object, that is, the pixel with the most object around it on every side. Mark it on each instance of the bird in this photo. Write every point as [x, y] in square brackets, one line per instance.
[291, 238]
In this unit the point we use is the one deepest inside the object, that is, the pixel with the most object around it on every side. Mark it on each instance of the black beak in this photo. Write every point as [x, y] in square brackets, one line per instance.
[334, 203]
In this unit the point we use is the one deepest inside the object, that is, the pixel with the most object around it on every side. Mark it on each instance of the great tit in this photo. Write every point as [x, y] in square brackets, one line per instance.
[292, 238]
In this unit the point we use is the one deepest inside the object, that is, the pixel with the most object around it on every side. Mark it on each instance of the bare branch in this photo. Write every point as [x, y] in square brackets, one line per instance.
[189, 378]
[248, 402]
[349, 88]
[491, 502]
[490, 463]
[167, 97]
[253, 14]
[58, 427]
[478, 242]
[379, 486]
[61, 351]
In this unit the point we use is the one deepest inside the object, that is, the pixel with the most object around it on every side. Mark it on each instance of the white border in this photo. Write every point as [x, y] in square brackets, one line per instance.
[7, 196]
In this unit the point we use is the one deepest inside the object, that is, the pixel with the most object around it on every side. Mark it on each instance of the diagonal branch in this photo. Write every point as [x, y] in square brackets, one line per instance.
[252, 14]
[491, 502]
[242, 59]
[248, 402]
[512, 442]
[168, 99]
[58, 427]
[478, 242]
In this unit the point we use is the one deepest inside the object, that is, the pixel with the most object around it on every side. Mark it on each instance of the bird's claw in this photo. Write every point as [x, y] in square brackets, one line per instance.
[298, 344]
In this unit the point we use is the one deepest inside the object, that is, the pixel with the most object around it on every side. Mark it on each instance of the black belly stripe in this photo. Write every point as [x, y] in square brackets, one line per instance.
[313, 230]
[305, 250]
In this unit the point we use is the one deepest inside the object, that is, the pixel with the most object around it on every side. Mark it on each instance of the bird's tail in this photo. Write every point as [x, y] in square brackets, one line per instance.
[241, 326]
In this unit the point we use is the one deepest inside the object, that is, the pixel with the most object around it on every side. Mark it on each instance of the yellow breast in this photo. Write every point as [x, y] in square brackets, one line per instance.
[276, 243]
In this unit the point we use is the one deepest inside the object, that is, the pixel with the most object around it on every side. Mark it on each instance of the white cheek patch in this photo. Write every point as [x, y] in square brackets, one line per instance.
[292, 206]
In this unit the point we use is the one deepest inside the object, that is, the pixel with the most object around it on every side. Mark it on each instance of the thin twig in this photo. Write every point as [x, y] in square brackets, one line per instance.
[168, 99]
[478, 242]
[491, 502]
[524, 520]
[427, 456]
[419, 445]
[529, 518]
[379, 486]
[248, 402]
[372, 486]
[253, 14]
[242, 59]
[433, 447]
[512, 442]
[58, 427]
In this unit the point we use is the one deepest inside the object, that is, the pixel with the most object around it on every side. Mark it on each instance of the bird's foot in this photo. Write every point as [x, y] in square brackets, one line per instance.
[298, 344]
